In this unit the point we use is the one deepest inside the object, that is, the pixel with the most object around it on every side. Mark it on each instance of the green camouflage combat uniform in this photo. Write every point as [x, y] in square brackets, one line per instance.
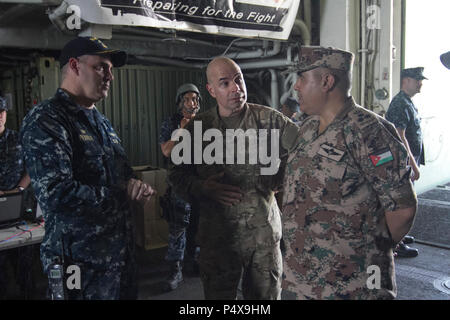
[338, 186]
[244, 236]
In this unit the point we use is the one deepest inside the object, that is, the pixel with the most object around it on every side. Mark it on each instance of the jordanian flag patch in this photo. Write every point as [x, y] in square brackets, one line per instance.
[381, 158]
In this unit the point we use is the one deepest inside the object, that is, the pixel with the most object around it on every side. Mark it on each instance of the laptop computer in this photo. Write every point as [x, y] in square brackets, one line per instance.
[11, 209]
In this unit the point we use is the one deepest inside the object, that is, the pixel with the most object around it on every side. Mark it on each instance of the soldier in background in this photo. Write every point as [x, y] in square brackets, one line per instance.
[404, 115]
[178, 212]
[82, 178]
[239, 221]
[290, 108]
[348, 199]
[13, 179]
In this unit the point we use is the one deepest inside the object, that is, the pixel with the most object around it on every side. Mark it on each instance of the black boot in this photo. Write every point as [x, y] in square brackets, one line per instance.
[404, 251]
[408, 239]
[175, 277]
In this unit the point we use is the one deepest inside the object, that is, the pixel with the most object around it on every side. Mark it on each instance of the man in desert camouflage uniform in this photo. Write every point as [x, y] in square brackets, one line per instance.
[81, 176]
[348, 198]
[239, 229]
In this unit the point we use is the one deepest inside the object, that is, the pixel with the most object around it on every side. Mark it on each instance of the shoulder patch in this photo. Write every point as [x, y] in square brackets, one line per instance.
[381, 157]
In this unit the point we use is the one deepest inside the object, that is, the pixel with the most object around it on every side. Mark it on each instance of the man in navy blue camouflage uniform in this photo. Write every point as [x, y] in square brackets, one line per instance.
[181, 220]
[405, 116]
[13, 179]
[81, 176]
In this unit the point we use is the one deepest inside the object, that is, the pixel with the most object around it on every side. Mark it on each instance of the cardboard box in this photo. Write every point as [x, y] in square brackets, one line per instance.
[152, 230]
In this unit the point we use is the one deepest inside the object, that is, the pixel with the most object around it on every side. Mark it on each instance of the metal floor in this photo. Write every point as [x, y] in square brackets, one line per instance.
[420, 278]
[426, 277]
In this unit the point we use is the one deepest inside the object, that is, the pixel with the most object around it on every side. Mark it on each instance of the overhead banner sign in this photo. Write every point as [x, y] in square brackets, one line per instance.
[242, 18]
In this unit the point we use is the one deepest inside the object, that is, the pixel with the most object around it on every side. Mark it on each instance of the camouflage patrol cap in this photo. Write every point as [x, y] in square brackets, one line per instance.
[415, 73]
[3, 104]
[445, 59]
[320, 57]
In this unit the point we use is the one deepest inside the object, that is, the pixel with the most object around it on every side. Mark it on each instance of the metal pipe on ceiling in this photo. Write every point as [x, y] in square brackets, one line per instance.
[43, 2]
[363, 52]
[259, 53]
[274, 89]
[172, 62]
[14, 13]
[164, 36]
[303, 28]
[270, 63]
[307, 14]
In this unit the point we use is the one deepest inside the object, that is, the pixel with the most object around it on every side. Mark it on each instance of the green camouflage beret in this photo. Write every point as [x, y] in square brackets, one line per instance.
[320, 57]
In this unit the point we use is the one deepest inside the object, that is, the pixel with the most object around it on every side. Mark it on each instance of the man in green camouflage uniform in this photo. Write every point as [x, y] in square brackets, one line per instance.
[348, 198]
[239, 229]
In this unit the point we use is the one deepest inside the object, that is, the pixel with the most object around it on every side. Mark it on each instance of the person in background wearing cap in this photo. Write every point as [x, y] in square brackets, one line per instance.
[13, 176]
[239, 221]
[290, 107]
[13, 179]
[179, 213]
[81, 176]
[348, 199]
[445, 59]
[405, 116]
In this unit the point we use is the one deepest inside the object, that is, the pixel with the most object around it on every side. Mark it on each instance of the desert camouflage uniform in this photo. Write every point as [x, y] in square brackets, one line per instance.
[247, 234]
[12, 167]
[339, 184]
[404, 115]
[79, 172]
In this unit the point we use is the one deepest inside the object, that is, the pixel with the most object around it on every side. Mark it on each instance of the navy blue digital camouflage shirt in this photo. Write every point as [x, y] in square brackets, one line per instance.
[79, 172]
[12, 167]
[404, 115]
[168, 126]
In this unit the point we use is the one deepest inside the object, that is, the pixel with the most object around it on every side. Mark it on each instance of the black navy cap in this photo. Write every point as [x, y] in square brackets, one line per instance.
[415, 73]
[445, 59]
[90, 46]
[3, 104]
[292, 104]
